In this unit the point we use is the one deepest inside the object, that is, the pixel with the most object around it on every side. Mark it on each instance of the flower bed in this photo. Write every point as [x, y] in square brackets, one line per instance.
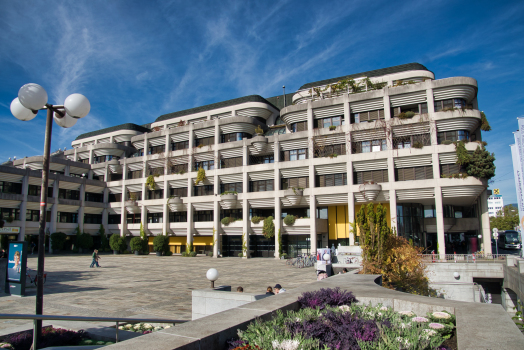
[329, 319]
[143, 328]
[50, 337]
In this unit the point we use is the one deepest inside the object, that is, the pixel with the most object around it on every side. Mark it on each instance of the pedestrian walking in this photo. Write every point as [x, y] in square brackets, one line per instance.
[95, 258]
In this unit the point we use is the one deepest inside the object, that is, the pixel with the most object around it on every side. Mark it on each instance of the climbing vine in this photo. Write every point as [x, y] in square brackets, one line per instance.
[150, 182]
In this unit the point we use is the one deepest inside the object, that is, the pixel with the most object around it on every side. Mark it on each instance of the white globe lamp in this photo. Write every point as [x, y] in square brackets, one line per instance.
[32, 96]
[20, 112]
[66, 121]
[327, 257]
[212, 275]
[77, 105]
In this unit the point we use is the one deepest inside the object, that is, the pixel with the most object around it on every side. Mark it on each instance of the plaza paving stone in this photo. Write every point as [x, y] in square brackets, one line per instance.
[138, 286]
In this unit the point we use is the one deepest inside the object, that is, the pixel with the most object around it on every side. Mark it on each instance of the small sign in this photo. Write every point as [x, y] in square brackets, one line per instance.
[10, 230]
[496, 191]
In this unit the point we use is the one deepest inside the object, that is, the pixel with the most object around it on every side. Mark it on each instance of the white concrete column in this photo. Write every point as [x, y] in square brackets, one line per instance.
[276, 151]
[123, 213]
[347, 111]
[67, 170]
[433, 132]
[484, 222]
[23, 207]
[436, 165]
[91, 156]
[82, 207]
[310, 131]
[393, 210]
[278, 224]
[191, 149]
[313, 224]
[75, 156]
[217, 225]
[429, 96]
[143, 212]
[440, 222]
[246, 227]
[190, 223]
[351, 215]
[54, 208]
[387, 104]
[391, 167]
[245, 155]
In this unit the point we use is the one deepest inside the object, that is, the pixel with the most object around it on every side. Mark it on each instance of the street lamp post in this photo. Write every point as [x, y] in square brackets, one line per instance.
[32, 98]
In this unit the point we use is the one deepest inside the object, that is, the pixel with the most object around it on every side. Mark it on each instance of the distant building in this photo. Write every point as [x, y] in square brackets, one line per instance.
[517, 155]
[495, 203]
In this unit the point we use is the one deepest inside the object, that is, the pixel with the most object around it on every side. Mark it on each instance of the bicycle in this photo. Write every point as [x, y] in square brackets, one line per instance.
[34, 281]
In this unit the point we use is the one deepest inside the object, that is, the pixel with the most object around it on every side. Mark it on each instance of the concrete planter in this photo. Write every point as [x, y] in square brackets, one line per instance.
[175, 204]
[260, 143]
[116, 252]
[370, 190]
[132, 207]
[158, 253]
[228, 201]
[137, 252]
[294, 196]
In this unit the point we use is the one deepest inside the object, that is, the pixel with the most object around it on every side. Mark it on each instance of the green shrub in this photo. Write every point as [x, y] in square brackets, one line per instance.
[84, 241]
[57, 240]
[168, 253]
[290, 220]
[240, 255]
[410, 114]
[226, 221]
[418, 144]
[137, 244]
[256, 219]
[161, 243]
[332, 127]
[447, 142]
[268, 230]
[118, 243]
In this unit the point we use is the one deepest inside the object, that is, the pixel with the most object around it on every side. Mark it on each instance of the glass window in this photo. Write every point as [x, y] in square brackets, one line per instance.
[293, 154]
[366, 146]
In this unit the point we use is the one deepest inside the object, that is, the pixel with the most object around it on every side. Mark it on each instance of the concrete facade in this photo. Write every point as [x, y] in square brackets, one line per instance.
[312, 162]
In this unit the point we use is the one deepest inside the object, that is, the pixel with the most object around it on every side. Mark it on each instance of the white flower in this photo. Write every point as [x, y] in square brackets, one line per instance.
[407, 313]
[429, 332]
[287, 344]
[88, 342]
[137, 326]
[166, 327]
[384, 308]
[419, 319]
[443, 315]
[121, 328]
[344, 307]
[405, 325]
[148, 326]
[157, 328]
[100, 343]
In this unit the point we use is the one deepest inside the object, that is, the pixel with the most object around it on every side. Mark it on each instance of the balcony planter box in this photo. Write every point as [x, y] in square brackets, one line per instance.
[158, 253]
[115, 252]
[228, 201]
[175, 204]
[137, 252]
[370, 190]
[260, 143]
[132, 207]
[293, 195]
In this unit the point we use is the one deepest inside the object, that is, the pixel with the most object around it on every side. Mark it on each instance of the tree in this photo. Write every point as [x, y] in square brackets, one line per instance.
[268, 230]
[481, 164]
[383, 253]
[57, 240]
[507, 218]
[104, 242]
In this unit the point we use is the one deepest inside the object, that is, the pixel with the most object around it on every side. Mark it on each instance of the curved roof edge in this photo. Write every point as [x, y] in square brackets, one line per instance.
[372, 73]
[228, 103]
[127, 126]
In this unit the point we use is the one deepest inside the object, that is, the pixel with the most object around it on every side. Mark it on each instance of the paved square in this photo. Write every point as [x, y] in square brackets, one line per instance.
[129, 285]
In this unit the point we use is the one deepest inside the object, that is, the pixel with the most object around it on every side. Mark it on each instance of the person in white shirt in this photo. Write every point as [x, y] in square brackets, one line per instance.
[277, 289]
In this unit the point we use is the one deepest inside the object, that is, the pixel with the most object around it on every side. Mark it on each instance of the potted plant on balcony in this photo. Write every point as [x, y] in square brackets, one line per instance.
[175, 203]
[136, 245]
[228, 199]
[290, 220]
[259, 141]
[201, 176]
[160, 244]
[370, 190]
[294, 195]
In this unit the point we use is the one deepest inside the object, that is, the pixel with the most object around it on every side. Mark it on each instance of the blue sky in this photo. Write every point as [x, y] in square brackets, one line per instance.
[136, 60]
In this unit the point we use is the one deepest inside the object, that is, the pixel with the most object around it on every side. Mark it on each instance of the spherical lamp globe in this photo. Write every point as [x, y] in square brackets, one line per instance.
[32, 96]
[66, 121]
[20, 112]
[327, 257]
[212, 274]
[77, 105]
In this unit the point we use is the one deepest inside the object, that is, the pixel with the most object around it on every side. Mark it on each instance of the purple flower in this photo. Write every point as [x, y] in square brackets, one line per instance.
[436, 325]
[320, 299]
[419, 319]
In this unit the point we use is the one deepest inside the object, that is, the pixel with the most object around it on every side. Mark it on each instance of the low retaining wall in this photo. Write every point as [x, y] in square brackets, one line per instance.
[3, 271]
[479, 326]
[207, 302]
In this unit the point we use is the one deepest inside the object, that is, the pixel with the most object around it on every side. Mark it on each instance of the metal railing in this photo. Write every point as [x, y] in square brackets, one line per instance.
[87, 319]
[463, 258]
[482, 293]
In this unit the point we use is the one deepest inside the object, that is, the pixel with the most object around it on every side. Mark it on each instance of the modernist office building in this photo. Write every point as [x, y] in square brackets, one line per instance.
[325, 151]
